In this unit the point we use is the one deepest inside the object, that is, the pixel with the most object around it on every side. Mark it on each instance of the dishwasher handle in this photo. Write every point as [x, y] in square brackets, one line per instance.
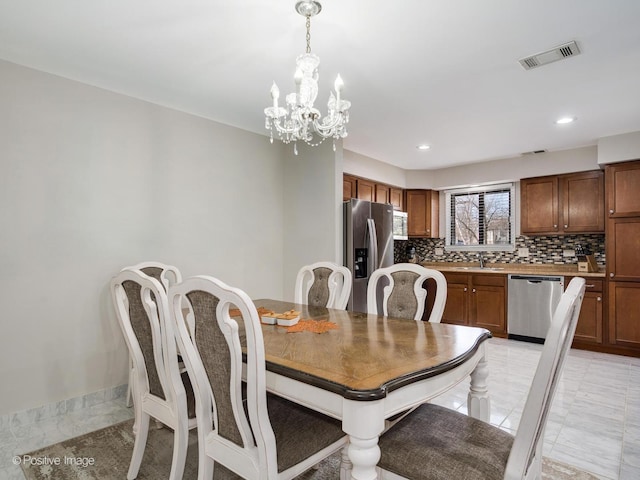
[536, 278]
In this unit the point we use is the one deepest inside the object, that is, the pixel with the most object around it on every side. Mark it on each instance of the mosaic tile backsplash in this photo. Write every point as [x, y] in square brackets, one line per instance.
[542, 250]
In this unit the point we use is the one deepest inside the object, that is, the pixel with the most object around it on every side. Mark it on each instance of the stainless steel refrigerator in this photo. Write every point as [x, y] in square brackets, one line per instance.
[368, 245]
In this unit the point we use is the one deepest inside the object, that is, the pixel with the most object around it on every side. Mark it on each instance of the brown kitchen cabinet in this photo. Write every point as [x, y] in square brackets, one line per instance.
[562, 204]
[349, 187]
[623, 185]
[456, 309]
[364, 189]
[624, 314]
[396, 198]
[382, 193]
[623, 249]
[477, 300]
[422, 213]
[623, 256]
[590, 322]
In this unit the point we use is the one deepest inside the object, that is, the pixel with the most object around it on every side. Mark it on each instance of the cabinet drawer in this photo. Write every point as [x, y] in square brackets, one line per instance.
[490, 280]
[591, 284]
[456, 277]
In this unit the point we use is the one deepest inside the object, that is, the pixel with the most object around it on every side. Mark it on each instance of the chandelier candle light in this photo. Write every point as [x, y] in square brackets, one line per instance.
[300, 120]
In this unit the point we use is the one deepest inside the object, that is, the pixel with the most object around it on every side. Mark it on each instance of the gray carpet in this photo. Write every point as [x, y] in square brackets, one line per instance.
[110, 450]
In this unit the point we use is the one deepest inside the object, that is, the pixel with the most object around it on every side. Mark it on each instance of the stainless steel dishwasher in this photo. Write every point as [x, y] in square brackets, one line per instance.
[531, 301]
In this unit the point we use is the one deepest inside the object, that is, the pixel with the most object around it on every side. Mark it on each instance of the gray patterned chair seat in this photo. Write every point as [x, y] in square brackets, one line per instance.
[436, 443]
[251, 433]
[158, 390]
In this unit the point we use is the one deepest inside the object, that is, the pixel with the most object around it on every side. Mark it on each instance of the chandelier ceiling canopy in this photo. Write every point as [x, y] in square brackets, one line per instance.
[299, 119]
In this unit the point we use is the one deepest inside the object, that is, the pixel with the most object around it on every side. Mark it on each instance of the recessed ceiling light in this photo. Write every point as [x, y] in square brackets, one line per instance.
[565, 120]
[423, 147]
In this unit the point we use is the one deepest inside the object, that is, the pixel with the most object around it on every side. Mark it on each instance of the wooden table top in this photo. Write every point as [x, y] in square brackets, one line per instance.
[366, 356]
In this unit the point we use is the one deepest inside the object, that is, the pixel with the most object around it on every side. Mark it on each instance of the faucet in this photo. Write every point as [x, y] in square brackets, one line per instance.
[481, 260]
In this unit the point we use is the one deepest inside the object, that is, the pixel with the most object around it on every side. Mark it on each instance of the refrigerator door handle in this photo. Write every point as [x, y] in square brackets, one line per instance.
[373, 243]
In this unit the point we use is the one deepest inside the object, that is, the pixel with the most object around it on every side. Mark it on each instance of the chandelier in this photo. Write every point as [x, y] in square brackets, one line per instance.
[300, 120]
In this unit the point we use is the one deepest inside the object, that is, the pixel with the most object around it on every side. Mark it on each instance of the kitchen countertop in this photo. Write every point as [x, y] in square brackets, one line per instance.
[517, 268]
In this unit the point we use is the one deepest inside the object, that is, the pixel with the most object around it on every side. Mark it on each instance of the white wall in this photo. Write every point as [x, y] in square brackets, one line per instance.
[619, 148]
[367, 167]
[510, 169]
[312, 209]
[91, 181]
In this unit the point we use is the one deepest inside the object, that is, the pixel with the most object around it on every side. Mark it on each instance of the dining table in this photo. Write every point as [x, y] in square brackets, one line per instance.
[365, 369]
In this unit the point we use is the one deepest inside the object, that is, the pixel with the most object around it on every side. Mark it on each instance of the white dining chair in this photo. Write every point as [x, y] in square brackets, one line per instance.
[434, 442]
[404, 295]
[158, 388]
[323, 284]
[167, 275]
[254, 434]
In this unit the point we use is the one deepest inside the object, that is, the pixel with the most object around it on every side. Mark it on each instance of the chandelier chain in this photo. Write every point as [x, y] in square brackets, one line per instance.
[308, 34]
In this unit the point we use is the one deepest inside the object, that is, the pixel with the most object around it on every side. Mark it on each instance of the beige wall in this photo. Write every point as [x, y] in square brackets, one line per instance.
[367, 167]
[91, 181]
[312, 209]
[510, 169]
[619, 148]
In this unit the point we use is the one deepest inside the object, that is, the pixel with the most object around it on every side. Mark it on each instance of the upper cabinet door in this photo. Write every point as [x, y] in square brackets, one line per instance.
[395, 198]
[582, 202]
[559, 204]
[348, 187]
[539, 205]
[366, 190]
[422, 213]
[623, 190]
[382, 193]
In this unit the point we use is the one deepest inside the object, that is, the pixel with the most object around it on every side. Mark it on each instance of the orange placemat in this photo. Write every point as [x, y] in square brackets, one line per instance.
[315, 326]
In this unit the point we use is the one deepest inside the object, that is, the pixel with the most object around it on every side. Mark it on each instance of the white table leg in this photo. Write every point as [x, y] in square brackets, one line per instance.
[345, 464]
[478, 399]
[364, 422]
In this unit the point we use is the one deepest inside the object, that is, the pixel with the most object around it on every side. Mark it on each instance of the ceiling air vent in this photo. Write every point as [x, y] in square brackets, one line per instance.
[558, 53]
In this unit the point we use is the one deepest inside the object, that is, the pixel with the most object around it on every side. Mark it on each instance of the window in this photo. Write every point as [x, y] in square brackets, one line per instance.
[480, 218]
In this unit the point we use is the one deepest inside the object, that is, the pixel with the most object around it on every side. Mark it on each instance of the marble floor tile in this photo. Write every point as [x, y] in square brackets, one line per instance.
[627, 472]
[594, 422]
[13, 472]
[6, 437]
[591, 461]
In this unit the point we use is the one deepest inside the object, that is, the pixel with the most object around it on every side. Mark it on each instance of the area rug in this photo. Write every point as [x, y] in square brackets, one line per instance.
[105, 455]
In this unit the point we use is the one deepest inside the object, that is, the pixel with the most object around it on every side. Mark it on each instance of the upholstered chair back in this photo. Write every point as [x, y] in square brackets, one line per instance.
[323, 284]
[404, 295]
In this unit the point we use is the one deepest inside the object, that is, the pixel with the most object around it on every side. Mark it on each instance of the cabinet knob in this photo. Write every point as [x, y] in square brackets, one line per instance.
[465, 289]
[555, 226]
[566, 226]
[611, 212]
[611, 275]
[599, 299]
[473, 290]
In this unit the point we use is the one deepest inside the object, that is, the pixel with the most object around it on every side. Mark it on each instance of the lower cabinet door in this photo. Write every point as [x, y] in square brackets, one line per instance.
[456, 309]
[589, 328]
[488, 308]
[624, 314]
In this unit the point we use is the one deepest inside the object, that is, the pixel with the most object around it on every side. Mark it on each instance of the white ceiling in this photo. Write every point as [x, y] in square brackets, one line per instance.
[441, 72]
